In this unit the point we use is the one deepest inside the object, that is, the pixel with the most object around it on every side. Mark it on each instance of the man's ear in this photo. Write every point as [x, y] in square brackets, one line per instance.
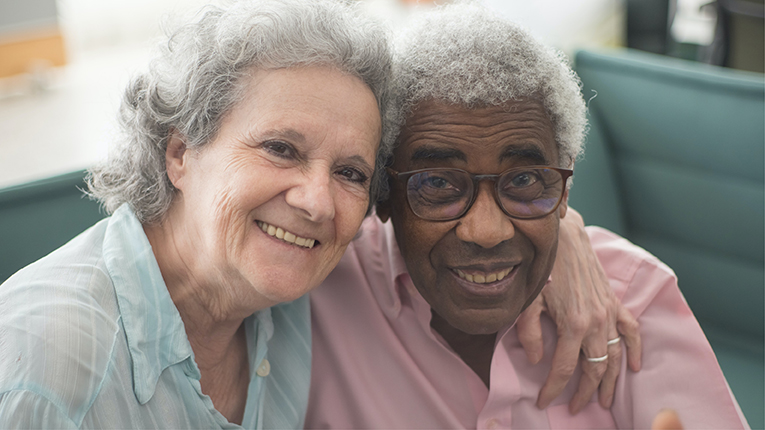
[175, 159]
[383, 210]
[563, 208]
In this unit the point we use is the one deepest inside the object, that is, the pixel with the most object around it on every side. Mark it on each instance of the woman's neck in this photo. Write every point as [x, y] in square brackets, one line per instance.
[212, 314]
[212, 300]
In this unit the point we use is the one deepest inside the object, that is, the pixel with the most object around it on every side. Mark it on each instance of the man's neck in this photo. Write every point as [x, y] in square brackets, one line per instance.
[476, 350]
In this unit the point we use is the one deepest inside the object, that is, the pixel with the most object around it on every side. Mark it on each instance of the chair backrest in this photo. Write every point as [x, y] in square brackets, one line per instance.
[38, 217]
[675, 162]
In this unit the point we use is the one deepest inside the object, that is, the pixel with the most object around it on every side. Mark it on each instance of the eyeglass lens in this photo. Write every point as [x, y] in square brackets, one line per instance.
[443, 194]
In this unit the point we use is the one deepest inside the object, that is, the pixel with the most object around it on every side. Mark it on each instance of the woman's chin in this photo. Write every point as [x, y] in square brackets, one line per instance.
[286, 289]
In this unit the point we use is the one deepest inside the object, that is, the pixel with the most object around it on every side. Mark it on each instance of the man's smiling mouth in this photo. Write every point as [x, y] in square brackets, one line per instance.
[286, 236]
[479, 277]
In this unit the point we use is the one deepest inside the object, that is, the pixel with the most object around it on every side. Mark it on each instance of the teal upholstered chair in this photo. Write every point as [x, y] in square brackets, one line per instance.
[38, 217]
[674, 162]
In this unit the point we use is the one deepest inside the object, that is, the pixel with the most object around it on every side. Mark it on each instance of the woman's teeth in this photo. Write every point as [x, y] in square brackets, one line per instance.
[484, 278]
[286, 236]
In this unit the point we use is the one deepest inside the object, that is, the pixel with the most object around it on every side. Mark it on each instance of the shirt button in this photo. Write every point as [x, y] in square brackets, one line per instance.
[264, 369]
[492, 423]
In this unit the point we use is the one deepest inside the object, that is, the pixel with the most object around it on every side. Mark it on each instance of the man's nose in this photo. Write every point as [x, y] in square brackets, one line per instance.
[485, 224]
[313, 195]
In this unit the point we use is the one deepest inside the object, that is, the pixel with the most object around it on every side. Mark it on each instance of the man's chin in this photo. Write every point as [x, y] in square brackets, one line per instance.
[482, 322]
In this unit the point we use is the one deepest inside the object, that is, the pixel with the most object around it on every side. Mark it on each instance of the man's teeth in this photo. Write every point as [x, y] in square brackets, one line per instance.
[484, 278]
[286, 236]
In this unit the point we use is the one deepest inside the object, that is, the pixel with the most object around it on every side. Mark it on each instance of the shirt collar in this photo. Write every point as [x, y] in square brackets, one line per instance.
[155, 333]
[378, 255]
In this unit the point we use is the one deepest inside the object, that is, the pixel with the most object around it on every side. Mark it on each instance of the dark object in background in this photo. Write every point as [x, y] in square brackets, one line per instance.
[647, 25]
[739, 36]
[739, 40]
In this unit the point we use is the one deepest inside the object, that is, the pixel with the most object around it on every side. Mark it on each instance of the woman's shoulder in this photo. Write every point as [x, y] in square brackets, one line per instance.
[59, 321]
[73, 276]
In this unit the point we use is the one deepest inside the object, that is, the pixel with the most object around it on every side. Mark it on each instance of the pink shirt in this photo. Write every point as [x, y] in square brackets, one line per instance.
[378, 364]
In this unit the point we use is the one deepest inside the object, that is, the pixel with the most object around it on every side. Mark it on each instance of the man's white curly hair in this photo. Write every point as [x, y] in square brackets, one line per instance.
[466, 54]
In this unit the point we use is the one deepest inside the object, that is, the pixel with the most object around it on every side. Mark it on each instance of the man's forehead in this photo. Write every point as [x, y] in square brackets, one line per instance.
[440, 131]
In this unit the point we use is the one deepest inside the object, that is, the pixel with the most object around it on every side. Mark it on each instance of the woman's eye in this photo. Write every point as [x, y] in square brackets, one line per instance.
[280, 149]
[352, 175]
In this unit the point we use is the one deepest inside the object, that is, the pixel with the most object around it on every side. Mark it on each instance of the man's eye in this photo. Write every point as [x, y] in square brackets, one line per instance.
[524, 180]
[280, 149]
[436, 182]
[353, 175]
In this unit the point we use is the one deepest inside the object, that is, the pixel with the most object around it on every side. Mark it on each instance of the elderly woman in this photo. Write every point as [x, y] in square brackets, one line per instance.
[490, 123]
[246, 169]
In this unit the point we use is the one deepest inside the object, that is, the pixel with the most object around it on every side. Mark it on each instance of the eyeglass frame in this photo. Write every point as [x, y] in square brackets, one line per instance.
[475, 178]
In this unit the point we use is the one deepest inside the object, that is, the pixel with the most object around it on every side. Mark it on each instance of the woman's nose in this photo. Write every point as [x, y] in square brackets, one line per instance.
[313, 196]
[485, 224]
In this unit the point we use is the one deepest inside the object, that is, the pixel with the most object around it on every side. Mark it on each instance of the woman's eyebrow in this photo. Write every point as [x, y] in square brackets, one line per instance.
[362, 163]
[427, 152]
[285, 133]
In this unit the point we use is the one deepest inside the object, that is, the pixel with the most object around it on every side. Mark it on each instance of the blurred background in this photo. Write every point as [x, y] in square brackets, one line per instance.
[63, 63]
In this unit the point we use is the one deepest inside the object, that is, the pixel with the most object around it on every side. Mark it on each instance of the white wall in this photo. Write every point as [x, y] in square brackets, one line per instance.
[98, 24]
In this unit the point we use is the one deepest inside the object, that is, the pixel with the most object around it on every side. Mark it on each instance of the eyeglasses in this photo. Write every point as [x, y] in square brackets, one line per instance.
[444, 194]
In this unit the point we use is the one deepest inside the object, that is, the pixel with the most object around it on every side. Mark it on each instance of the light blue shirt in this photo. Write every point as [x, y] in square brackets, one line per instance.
[89, 338]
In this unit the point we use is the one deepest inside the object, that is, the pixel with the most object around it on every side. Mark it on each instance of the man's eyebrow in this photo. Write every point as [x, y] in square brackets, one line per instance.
[531, 153]
[426, 152]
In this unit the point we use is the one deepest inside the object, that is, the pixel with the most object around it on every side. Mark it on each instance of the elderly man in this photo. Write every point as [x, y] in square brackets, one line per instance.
[416, 327]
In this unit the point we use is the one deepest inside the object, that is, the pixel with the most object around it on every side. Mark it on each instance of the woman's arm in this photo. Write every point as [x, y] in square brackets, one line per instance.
[588, 315]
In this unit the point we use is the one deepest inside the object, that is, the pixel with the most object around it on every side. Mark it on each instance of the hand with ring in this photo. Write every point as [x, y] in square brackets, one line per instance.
[590, 320]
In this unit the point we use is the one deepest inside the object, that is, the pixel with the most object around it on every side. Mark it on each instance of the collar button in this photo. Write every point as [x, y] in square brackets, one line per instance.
[264, 369]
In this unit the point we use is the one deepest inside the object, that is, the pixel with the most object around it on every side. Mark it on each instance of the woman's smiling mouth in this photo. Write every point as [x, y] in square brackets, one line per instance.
[286, 236]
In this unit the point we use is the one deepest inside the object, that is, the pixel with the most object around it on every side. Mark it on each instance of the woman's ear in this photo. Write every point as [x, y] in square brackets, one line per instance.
[175, 159]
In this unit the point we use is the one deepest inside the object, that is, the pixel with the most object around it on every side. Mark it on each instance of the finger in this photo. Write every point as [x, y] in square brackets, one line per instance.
[608, 384]
[667, 419]
[593, 346]
[530, 330]
[564, 362]
[629, 328]
[592, 373]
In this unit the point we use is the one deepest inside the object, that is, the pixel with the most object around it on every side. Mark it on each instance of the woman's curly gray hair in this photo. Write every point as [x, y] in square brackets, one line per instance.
[465, 54]
[197, 78]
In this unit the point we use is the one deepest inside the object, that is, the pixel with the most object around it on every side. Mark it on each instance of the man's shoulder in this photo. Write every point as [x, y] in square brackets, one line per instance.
[619, 257]
[636, 275]
[59, 321]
